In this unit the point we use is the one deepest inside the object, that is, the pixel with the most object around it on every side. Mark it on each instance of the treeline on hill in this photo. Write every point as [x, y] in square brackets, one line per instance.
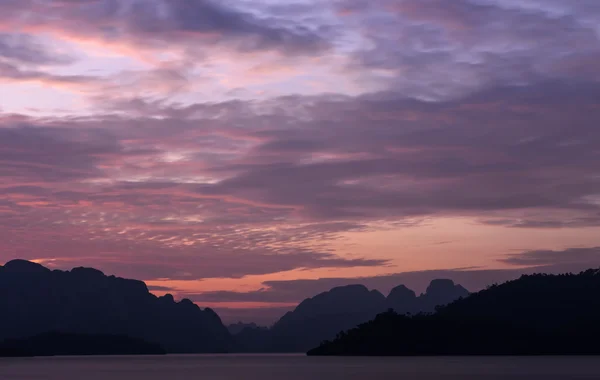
[534, 315]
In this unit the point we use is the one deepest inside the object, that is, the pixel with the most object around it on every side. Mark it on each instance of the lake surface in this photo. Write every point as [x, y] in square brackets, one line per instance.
[296, 367]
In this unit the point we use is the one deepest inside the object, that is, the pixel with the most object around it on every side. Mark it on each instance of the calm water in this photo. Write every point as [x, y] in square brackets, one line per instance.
[298, 367]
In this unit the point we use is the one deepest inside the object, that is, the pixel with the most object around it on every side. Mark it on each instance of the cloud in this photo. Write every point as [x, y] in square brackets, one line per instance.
[156, 288]
[148, 260]
[589, 257]
[38, 153]
[428, 49]
[204, 16]
[262, 187]
[440, 49]
[226, 262]
[158, 23]
[547, 221]
[478, 109]
[14, 73]
[26, 49]
[397, 158]
[63, 206]
[185, 49]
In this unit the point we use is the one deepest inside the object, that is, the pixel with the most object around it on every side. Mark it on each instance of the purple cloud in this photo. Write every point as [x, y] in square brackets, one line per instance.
[586, 257]
[522, 156]
[25, 49]
[160, 23]
[485, 109]
[440, 49]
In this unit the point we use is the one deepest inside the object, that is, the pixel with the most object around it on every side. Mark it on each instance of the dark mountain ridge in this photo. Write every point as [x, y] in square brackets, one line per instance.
[36, 300]
[536, 314]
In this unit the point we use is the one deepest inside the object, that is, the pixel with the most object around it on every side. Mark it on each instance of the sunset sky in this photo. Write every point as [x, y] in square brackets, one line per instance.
[247, 154]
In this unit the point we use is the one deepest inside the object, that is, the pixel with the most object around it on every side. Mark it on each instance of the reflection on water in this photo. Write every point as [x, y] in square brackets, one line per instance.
[296, 367]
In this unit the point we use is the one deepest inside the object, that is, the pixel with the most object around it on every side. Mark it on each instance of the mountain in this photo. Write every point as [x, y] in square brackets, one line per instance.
[403, 300]
[536, 314]
[64, 344]
[36, 300]
[439, 293]
[323, 316]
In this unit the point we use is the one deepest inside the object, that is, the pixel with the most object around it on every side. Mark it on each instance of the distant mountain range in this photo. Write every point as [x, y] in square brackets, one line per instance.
[83, 311]
[37, 303]
[323, 316]
[534, 315]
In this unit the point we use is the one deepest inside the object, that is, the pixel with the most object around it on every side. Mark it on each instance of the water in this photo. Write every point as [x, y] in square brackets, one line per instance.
[274, 367]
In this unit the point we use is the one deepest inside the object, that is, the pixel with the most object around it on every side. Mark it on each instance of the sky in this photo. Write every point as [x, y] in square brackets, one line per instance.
[247, 154]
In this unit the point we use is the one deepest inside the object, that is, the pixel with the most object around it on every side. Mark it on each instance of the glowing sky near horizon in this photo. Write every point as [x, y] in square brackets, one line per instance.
[247, 153]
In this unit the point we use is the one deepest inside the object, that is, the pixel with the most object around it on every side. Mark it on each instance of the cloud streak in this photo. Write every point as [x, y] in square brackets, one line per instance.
[26, 49]
[583, 256]
[148, 22]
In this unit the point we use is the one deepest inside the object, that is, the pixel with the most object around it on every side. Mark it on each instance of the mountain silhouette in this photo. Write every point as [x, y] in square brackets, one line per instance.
[439, 293]
[534, 315]
[62, 344]
[35, 300]
[323, 316]
[403, 300]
